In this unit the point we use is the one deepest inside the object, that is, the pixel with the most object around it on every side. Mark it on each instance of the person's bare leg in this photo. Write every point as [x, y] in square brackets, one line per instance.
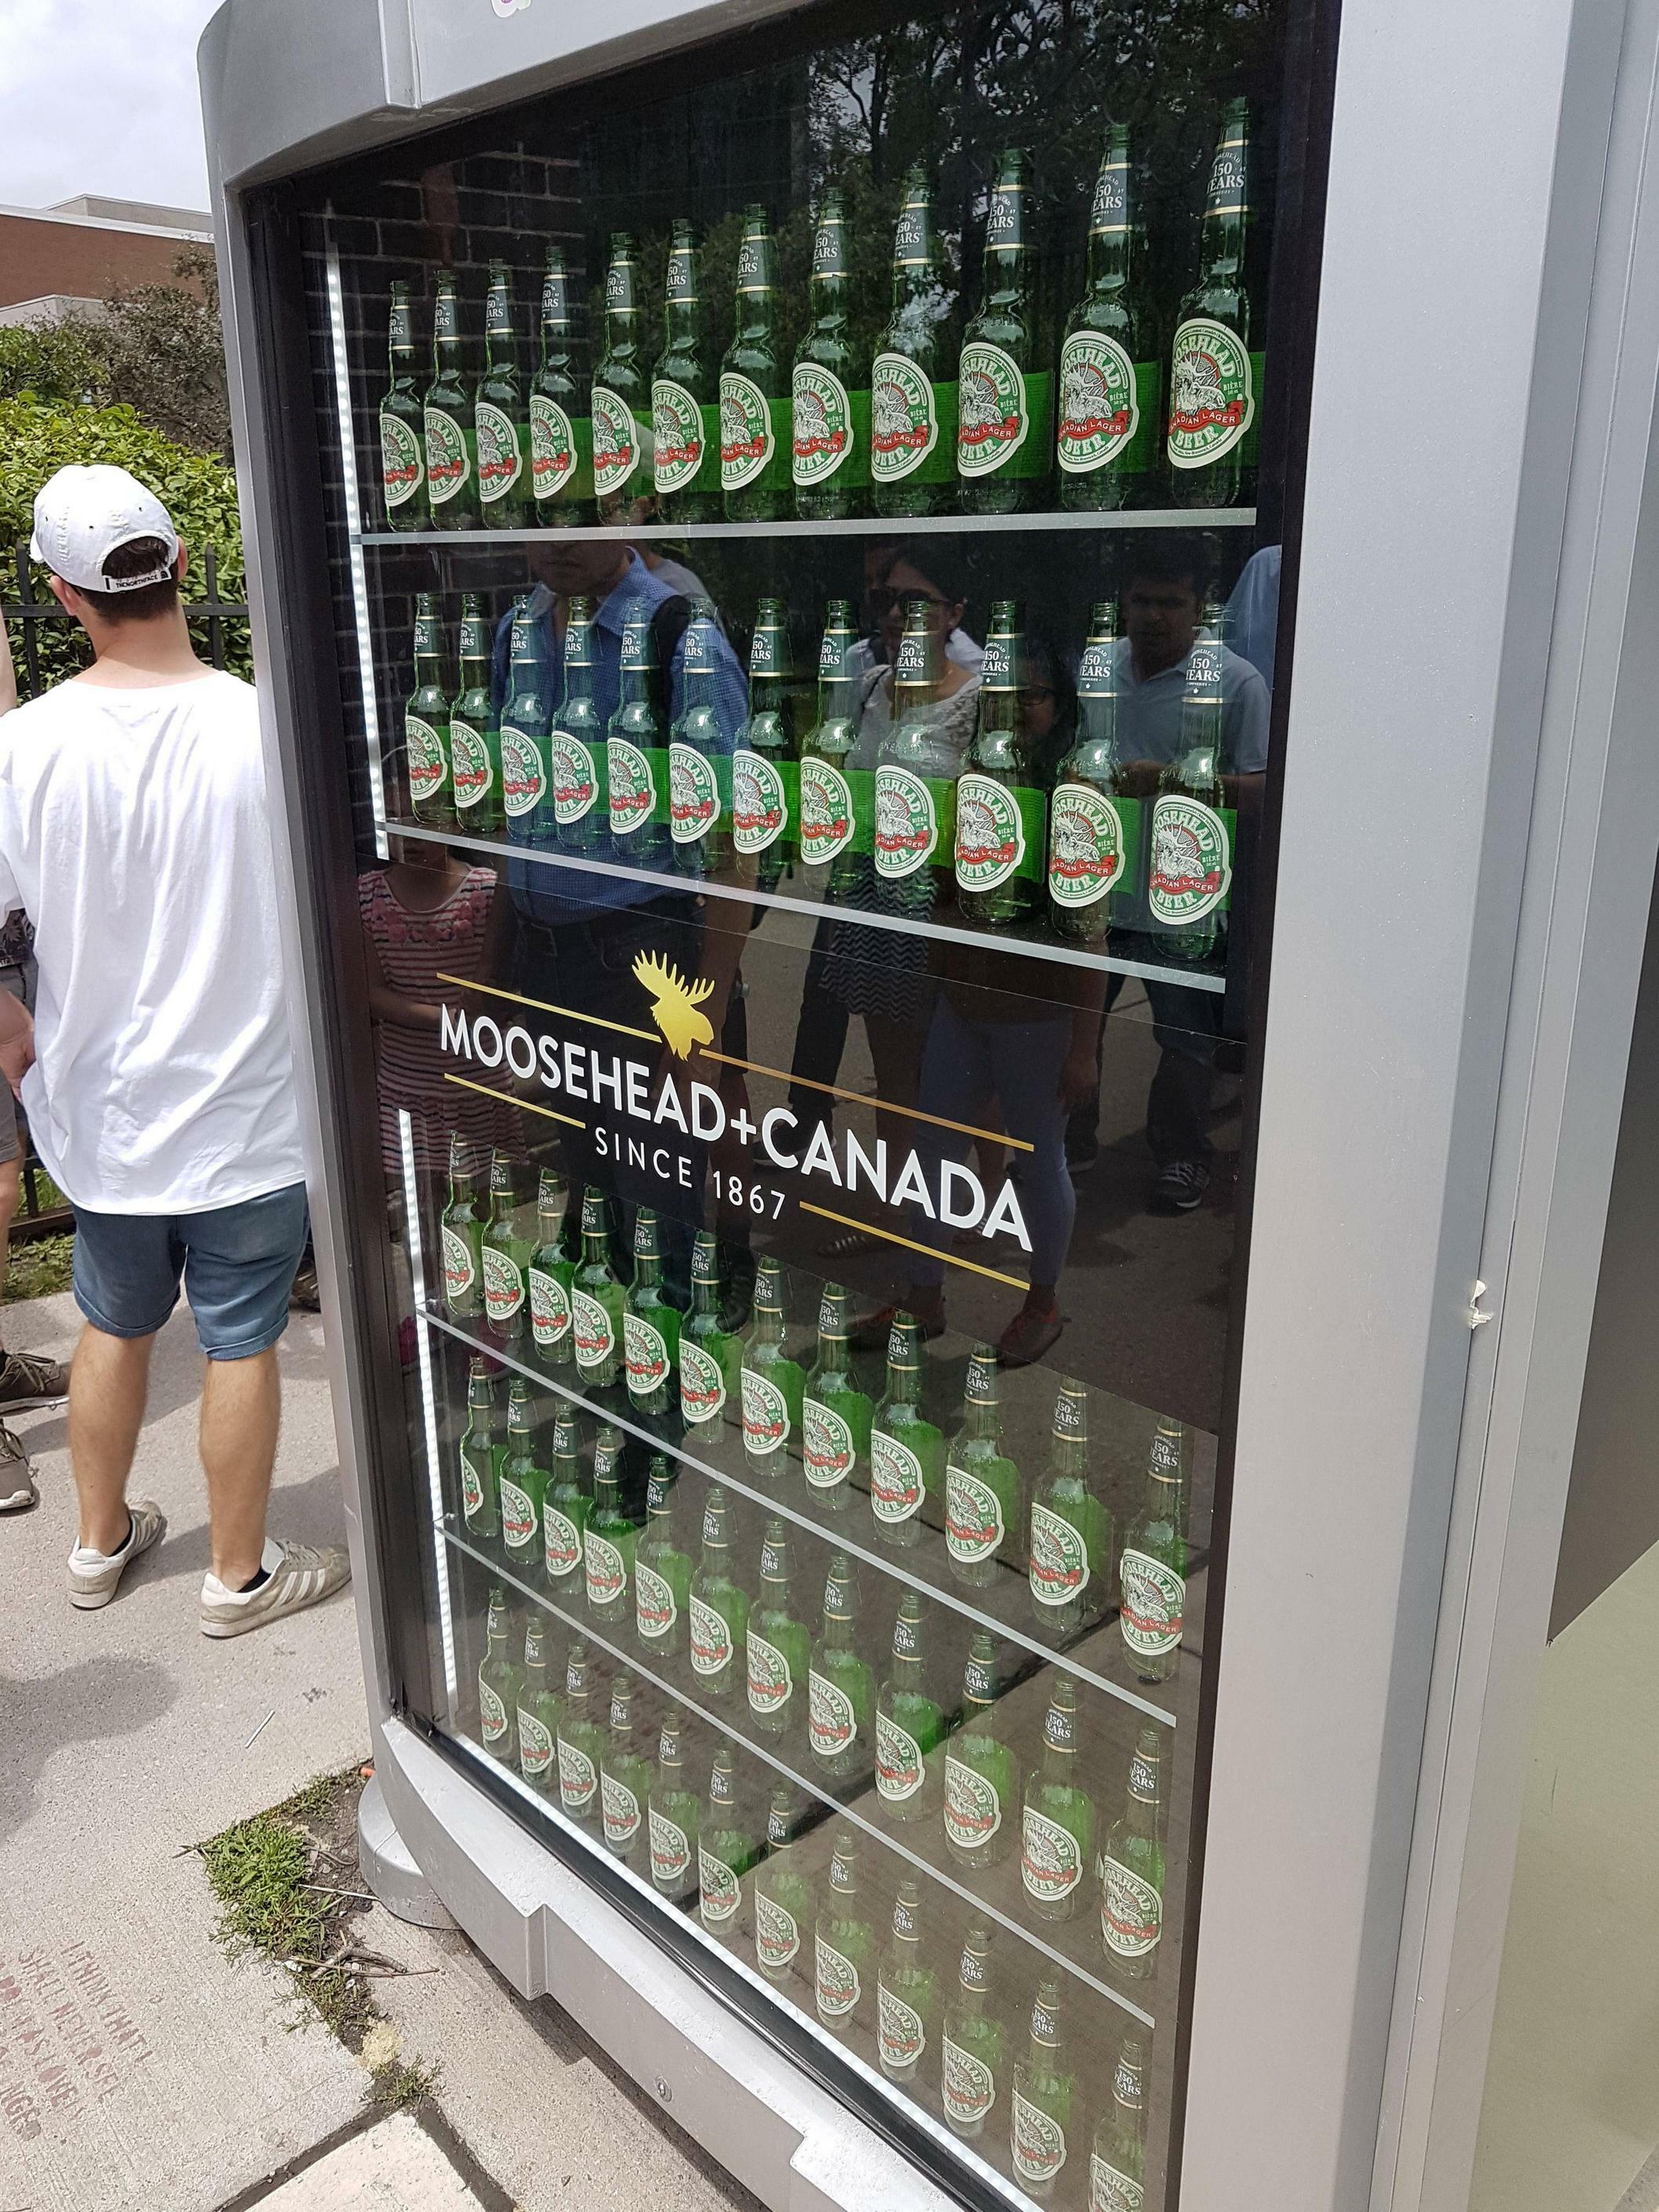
[241, 1407]
[11, 1197]
[109, 1381]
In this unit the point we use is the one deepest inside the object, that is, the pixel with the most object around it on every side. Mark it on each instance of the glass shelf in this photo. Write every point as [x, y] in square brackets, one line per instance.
[873, 525]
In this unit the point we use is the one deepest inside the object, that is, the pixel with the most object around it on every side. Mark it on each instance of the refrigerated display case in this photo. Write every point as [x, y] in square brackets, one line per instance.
[782, 536]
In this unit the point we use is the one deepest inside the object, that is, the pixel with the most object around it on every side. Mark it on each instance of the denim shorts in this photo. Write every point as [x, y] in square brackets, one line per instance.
[238, 1263]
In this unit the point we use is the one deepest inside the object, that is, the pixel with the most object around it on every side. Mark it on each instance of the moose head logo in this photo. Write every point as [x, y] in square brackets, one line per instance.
[675, 1004]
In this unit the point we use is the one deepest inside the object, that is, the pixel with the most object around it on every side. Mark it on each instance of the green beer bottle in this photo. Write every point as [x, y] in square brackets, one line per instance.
[907, 1990]
[561, 433]
[499, 414]
[841, 1688]
[779, 1646]
[999, 811]
[719, 1606]
[773, 1382]
[672, 1818]
[538, 1712]
[662, 1570]
[566, 1505]
[830, 406]
[452, 481]
[576, 742]
[624, 1782]
[1190, 872]
[755, 445]
[973, 2049]
[909, 1725]
[1094, 825]
[1041, 2106]
[1132, 1870]
[1057, 1832]
[764, 761]
[581, 1739]
[597, 1301]
[1071, 1528]
[782, 1897]
[1117, 2164]
[527, 791]
[475, 739]
[711, 1360]
[621, 400]
[1003, 399]
[1106, 441]
[522, 1484]
[697, 746]
[609, 1537]
[835, 1414]
[912, 396]
[981, 1775]
[549, 1276]
[426, 722]
[1213, 375]
[1152, 1572]
[636, 746]
[829, 818]
[906, 1452]
[684, 412]
[914, 775]
[482, 1452]
[403, 456]
[651, 1324]
[725, 1850]
[461, 1233]
[504, 1255]
[843, 1944]
[983, 1494]
[498, 1683]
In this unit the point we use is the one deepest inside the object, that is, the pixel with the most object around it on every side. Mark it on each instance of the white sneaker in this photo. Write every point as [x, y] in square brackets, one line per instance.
[93, 1576]
[296, 1575]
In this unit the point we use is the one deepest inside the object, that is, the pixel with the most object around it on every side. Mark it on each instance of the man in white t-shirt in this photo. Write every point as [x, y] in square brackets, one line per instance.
[156, 1073]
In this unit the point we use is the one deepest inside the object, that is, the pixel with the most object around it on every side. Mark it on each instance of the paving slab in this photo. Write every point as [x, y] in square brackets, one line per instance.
[394, 2166]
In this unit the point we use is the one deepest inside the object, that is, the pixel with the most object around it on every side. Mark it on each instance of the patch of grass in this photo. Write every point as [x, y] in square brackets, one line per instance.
[319, 1797]
[259, 1870]
[395, 2086]
[38, 1265]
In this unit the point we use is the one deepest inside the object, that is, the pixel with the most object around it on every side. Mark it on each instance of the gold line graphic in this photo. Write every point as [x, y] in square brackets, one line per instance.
[495, 991]
[877, 1105]
[847, 1221]
[505, 1098]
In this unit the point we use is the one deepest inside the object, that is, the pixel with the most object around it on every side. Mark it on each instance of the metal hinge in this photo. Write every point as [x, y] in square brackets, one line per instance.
[1472, 1312]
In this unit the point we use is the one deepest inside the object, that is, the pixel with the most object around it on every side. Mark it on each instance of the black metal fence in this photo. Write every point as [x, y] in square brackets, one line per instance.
[41, 1214]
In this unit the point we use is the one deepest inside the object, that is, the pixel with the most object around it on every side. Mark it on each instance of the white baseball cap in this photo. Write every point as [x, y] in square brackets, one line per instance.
[82, 515]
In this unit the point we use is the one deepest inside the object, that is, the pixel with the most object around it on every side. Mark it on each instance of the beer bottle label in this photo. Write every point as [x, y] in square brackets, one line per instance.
[973, 1517]
[671, 1848]
[1050, 1860]
[831, 1721]
[677, 426]
[907, 822]
[1039, 2141]
[524, 771]
[562, 1543]
[402, 471]
[1085, 846]
[518, 1516]
[616, 440]
[827, 1448]
[492, 1714]
[899, 1769]
[503, 1285]
[596, 1340]
[990, 833]
[693, 796]
[747, 441]
[896, 1478]
[459, 1275]
[448, 463]
[644, 1350]
[711, 1638]
[720, 1892]
[1111, 2190]
[992, 418]
[654, 1609]
[765, 1415]
[1060, 1558]
[471, 773]
[619, 1809]
[903, 418]
[1154, 1599]
[900, 2034]
[473, 1486]
[552, 446]
[1212, 392]
[760, 804]
[823, 423]
[500, 462]
[1131, 1910]
[535, 1746]
[777, 1933]
[968, 2088]
[1191, 868]
[574, 776]
[828, 818]
[835, 1980]
[425, 752]
[1099, 405]
[605, 1569]
[578, 1777]
[770, 1681]
[703, 1384]
[549, 1308]
[973, 1810]
[632, 786]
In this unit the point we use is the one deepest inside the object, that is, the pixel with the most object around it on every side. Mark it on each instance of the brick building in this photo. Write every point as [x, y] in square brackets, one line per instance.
[57, 259]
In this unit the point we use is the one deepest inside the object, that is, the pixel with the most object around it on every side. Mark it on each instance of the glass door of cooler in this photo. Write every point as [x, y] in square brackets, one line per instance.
[805, 528]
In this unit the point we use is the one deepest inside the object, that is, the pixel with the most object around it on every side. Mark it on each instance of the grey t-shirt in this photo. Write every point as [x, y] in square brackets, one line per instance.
[1149, 713]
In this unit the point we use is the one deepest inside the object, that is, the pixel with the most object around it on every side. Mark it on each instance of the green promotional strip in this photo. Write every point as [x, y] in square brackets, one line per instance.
[1032, 457]
[1034, 820]
[861, 782]
[944, 792]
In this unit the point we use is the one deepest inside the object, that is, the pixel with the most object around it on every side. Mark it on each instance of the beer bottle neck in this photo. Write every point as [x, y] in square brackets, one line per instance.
[429, 669]
[648, 1270]
[501, 346]
[596, 1248]
[981, 1420]
[903, 1383]
[705, 1298]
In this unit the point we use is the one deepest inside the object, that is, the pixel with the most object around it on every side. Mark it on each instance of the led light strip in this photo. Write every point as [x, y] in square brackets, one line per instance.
[355, 554]
[429, 1396]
